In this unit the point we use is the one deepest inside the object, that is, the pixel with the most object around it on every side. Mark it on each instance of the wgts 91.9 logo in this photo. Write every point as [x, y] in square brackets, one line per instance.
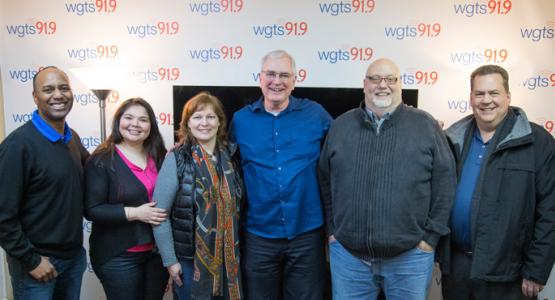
[40, 27]
[87, 7]
[157, 74]
[204, 8]
[24, 75]
[90, 53]
[222, 53]
[347, 7]
[159, 27]
[351, 54]
[537, 34]
[420, 77]
[289, 28]
[544, 79]
[489, 55]
[493, 7]
[418, 30]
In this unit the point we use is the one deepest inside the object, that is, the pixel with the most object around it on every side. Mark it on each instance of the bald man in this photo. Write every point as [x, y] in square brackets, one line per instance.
[41, 196]
[387, 179]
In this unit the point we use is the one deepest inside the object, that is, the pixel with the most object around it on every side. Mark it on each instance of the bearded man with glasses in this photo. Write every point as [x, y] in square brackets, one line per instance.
[387, 179]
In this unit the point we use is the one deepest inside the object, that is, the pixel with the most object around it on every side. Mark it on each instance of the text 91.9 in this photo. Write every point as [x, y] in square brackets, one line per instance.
[45, 27]
[168, 74]
[165, 118]
[106, 6]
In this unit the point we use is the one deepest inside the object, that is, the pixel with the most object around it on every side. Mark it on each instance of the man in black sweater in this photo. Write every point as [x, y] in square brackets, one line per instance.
[41, 196]
[387, 180]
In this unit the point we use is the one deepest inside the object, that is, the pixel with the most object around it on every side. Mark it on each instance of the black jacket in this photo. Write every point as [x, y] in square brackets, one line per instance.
[182, 215]
[109, 186]
[513, 209]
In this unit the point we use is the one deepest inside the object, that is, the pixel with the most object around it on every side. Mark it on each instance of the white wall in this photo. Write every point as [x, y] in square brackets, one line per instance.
[148, 65]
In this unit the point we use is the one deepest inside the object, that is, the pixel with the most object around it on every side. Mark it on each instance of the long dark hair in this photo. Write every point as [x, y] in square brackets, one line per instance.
[153, 145]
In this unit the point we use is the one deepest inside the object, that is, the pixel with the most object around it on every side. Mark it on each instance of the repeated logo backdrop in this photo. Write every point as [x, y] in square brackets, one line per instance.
[143, 48]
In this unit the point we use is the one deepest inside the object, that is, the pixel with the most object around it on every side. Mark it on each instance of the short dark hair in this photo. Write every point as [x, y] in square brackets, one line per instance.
[40, 70]
[490, 69]
[154, 143]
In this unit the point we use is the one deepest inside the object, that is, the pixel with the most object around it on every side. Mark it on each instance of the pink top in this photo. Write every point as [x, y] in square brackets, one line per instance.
[148, 178]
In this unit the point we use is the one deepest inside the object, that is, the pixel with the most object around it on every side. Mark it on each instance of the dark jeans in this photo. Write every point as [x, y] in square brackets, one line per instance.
[184, 292]
[457, 285]
[284, 269]
[67, 286]
[133, 276]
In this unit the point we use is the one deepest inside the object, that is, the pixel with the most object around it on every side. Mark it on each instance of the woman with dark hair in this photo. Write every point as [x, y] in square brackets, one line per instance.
[200, 184]
[119, 182]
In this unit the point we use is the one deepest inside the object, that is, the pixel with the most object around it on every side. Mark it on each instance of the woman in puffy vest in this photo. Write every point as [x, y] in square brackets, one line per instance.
[199, 184]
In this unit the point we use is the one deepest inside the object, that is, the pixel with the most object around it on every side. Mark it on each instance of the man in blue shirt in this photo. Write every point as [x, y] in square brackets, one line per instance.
[41, 196]
[279, 138]
[503, 235]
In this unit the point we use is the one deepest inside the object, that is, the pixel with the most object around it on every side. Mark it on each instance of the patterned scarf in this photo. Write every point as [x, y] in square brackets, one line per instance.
[217, 196]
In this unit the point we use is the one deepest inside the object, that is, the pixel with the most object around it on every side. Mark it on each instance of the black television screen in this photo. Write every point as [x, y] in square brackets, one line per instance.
[335, 100]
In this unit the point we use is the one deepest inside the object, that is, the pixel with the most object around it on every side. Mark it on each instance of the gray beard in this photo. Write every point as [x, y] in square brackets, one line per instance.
[382, 103]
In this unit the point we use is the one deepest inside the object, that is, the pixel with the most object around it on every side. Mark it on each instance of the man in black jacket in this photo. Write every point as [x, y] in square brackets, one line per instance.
[41, 196]
[502, 242]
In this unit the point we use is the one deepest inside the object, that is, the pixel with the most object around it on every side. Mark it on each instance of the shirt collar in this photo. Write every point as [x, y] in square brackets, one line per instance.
[478, 137]
[294, 104]
[374, 118]
[48, 132]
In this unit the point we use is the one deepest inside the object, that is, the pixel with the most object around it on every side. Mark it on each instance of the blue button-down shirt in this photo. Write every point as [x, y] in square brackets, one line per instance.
[279, 155]
[460, 215]
[48, 132]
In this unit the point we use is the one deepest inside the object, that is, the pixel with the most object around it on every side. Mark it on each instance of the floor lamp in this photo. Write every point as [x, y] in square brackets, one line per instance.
[102, 95]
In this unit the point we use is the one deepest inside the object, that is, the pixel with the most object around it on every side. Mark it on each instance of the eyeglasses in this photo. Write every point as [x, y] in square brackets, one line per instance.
[377, 79]
[273, 75]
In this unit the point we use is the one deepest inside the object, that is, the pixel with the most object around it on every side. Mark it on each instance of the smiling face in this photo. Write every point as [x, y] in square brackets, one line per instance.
[277, 81]
[134, 125]
[53, 96]
[382, 96]
[204, 124]
[489, 100]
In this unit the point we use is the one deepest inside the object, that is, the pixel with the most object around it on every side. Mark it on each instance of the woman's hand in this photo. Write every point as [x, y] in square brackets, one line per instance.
[146, 213]
[175, 274]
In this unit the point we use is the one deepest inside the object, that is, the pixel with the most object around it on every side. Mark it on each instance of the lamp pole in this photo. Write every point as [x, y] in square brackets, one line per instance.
[102, 95]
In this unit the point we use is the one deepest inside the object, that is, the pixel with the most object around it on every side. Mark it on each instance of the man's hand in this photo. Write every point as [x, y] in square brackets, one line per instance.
[175, 273]
[530, 288]
[425, 247]
[45, 271]
[331, 239]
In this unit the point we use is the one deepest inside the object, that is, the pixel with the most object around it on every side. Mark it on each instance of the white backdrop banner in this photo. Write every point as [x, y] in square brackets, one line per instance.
[143, 48]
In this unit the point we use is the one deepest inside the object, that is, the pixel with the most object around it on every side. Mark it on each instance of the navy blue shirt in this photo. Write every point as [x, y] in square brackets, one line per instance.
[460, 215]
[279, 155]
[48, 132]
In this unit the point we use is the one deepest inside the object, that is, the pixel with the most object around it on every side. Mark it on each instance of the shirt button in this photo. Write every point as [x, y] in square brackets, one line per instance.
[277, 150]
[276, 133]
[283, 219]
[279, 168]
[479, 156]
